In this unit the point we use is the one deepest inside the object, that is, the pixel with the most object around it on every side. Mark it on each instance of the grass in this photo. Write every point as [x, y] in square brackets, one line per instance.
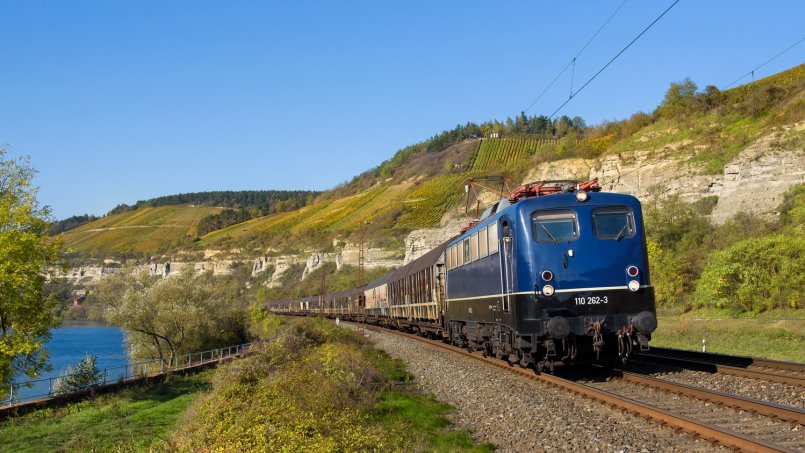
[140, 418]
[776, 335]
[421, 416]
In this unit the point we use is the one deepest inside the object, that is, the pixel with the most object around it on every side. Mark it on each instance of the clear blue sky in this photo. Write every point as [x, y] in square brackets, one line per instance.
[117, 101]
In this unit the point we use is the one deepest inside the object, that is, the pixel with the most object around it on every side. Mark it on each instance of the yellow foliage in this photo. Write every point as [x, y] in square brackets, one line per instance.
[307, 391]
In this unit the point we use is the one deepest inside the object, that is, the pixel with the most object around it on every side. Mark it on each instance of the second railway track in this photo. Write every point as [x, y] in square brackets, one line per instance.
[766, 370]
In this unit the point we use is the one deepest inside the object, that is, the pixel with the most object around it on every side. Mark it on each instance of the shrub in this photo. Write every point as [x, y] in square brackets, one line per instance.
[792, 210]
[309, 390]
[755, 275]
[84, 375]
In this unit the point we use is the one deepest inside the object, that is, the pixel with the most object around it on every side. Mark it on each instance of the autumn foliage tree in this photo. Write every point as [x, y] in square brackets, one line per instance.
[26, 254]
[168, 317]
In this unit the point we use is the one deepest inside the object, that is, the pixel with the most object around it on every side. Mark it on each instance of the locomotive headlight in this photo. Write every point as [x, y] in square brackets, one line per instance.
[581, 195]
[547, 290]
[634, 285]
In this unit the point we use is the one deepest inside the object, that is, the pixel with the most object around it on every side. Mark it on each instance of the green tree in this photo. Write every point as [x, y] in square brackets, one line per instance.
[675, 233]
[521, 123]
[168, 317]
[679, 99]
[26, 255]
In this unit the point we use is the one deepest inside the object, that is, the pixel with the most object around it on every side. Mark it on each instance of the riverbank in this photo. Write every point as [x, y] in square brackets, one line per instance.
[317, 386]
[141, 418]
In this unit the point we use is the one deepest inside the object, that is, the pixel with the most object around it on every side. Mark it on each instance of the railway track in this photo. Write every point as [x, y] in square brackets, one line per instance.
[729, 420]
[766, 370]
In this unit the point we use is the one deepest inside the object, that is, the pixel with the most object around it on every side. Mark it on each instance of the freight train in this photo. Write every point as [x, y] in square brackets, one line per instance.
[554, 273]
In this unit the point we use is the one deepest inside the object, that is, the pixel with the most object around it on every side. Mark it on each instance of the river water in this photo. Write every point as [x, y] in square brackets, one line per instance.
[70, 343]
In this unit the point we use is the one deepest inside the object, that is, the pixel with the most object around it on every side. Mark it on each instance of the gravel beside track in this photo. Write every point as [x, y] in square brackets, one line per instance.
[775, 392]
[519, 415]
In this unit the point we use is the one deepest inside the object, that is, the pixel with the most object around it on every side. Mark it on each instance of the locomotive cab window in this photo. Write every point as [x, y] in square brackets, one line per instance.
[613, 223]
[555, 226]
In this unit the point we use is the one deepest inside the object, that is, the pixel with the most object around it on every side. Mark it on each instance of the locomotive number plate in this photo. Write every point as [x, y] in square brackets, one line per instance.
[592, 300]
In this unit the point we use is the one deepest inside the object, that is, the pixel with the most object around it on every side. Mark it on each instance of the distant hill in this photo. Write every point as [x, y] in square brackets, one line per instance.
[140, 232]
[423, 182]
[263, 201]
[60, 226]
[240, 206]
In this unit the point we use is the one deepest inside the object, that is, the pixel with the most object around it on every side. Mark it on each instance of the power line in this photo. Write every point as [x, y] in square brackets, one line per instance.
[573, 60]
[615, 57]
[752, 72]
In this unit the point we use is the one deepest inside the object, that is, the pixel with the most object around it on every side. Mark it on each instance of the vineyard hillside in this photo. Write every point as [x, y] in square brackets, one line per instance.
[145, 231]
[423, 184]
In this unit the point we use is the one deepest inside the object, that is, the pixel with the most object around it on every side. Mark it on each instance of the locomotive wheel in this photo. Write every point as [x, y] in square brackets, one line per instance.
[488, 350]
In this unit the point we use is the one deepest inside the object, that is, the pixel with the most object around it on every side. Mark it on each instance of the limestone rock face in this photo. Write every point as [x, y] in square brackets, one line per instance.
[420, 242]
[755, 181]
[316, 260]
[372, 257]
[562, 169]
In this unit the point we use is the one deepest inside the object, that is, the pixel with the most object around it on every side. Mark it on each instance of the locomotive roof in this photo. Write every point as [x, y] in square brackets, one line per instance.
[554, 201]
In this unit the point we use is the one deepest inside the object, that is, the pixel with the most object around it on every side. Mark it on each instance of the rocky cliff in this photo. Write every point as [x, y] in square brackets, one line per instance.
[755, 181]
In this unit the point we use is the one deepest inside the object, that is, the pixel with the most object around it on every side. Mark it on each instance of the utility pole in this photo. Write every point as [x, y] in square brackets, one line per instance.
[361, 253]
[322, 287]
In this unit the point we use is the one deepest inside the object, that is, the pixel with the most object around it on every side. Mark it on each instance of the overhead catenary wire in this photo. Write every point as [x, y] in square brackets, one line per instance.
[752, 72]
[614, 58]
[573, 60]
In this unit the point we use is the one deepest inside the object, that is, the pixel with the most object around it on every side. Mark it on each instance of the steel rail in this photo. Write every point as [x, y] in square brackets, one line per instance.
[715, 363]
[702, 429]
[786, 413]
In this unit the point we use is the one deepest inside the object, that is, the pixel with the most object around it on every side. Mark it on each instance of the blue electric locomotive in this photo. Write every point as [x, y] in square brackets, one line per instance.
[546, 279]
[537, 280]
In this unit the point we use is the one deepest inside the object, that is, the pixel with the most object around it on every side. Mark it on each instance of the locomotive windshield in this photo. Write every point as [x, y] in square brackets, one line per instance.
[555, 226]
[613, 223]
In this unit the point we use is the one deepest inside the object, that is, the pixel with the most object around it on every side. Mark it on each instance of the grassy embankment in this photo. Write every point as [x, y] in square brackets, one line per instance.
[317, 387]
[140, 418]
[778, 335]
